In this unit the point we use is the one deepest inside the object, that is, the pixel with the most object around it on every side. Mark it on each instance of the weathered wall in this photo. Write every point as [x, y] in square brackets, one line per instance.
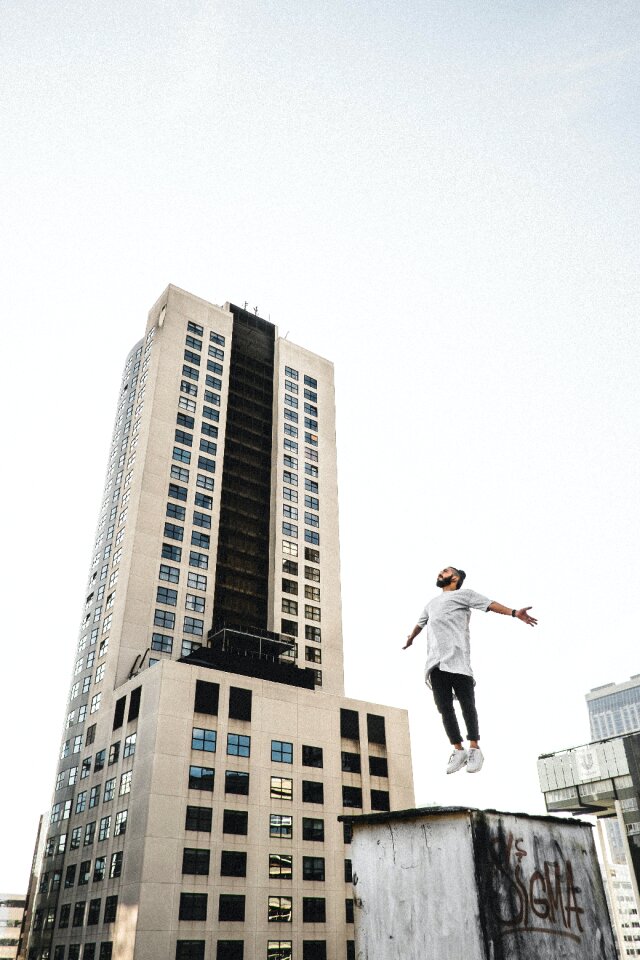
[471, 885]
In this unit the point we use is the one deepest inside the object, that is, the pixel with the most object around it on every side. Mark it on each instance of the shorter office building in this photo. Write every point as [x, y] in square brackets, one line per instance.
[12, 907]
[603, 779]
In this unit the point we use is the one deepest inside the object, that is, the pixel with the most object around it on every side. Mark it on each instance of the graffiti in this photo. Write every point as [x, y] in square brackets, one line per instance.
[537, 898]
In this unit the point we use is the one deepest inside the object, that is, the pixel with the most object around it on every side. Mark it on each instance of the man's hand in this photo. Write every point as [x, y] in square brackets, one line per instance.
[414, 633]
[524, 616]
[408, 643]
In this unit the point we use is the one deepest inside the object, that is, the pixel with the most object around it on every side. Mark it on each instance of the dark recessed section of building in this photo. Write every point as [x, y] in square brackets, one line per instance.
[261, 654]
[242, 570]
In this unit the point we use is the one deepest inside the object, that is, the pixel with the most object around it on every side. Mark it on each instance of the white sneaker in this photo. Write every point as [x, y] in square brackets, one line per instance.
[457, 761]
[475, 760]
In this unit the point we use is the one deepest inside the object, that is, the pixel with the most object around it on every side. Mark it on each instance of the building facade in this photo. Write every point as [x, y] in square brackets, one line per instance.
[12, 907]
[209, 746]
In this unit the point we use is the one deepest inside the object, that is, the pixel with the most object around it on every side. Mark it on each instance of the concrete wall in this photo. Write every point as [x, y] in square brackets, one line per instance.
[451, 883]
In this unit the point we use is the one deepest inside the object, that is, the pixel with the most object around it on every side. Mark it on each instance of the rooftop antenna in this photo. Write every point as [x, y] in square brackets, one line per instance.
[245, 304]
[255, 310]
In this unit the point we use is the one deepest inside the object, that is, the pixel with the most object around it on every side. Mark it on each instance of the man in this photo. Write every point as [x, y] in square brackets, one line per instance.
[448, 668]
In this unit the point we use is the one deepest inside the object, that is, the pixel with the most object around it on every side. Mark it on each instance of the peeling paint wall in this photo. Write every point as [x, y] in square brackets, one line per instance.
[478, 885]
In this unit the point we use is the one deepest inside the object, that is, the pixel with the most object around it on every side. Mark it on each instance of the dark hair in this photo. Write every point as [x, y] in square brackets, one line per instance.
[461, 577]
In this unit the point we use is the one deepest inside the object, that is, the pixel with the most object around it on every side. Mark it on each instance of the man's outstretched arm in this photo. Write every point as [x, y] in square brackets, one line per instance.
[521, 614]
[414, 633]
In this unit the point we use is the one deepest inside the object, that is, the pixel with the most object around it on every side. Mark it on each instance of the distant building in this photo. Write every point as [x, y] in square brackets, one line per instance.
[208, 746]
[614, 708]
[12, 906]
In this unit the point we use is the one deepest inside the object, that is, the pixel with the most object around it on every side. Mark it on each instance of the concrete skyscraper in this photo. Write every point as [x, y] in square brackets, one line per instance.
[208, 746]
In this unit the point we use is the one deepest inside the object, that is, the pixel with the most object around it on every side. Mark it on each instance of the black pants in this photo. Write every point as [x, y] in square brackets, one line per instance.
[444, 685]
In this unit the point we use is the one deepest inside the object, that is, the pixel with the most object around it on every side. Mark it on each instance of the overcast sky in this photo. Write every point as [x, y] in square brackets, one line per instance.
[442, 198]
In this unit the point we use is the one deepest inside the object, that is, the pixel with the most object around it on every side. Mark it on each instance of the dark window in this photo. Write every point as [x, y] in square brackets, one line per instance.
[78, 914]
[175, 511]
[348, 909]
[183, 420]
[118, 713]
[63, 919]
[115, 869]
[375, 729]
[173, 532]
[314, 950]
[196, 861]
[89, 952]
[199, 819]
[312, 791]
[134, 704]
[347, 832]
[312, 828]
[239, 703]
[190, 949]
[350, 762]
[314, 910]
[93, 916]
[167, 596]
[91, 733]
[236, 781]
[313, 868]
[378, 767]
[351, 950]
[169, 552]
[231, 907]
[230, 950]
[206, 700]
[110, 909]
[201, 778]
[233, 863]
[281, 866]
[172, 574]
[195, 328]
[349, 728]
[311, 756]
[351, 796]
[380, 800]
[280, 910]
[177, 492]
[193, 906]
[289, 627]
[236, 822]
[70, 876]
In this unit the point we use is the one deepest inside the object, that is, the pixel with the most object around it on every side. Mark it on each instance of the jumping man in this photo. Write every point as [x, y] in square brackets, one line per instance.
[448, 668]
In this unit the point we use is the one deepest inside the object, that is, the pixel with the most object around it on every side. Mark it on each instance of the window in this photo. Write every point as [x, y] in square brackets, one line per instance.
[179, 473]
[233, 863]
[280, 910]
[125, 782]
[291, 387]
[198, 560]
[231, 907]
[310, 536]
[288, 493]
[214, 351]
[239, 703]
[190, 372]
[290, 462]
[312, 655]
[281, 751]
[310, 382]
[280, 866]
[235, 822]
[238, 745]
[378, 767]
[351, 796]
[208, 465]
[290, 430]
[203, 739]
[193, 906]
[290, 607]
[190, 949]
[236, 781]
[165, 595]
[170, 552]
[201, 778]
[81, 802]
[312, 573]
[289, 529]
[348, 905]
[78, 913]
[290, 444]
[375, 729]
[161, 642]
[206, 697]
[312, 829]
[95, 705]
[173, 532]
[312, 791]
[180, 455]
[188, 647]
[349, 728]
[348, 871]
[280, 825]
[115, 868]
[281, 788]
[193, 625]
[290, 478]
[104, 830]
[380, 800]
[312, 633]
[185, 404]
[63, 919]
[290, 548]
[312, 593]
[120, 825]
[289, 511]
[314, 950]
[279, 950]
[175, 511]
[93, 915]
[70, 876]
[198, 819]
[94, 796]
[184, 421]
[314, 910]
[193, 602]
[290, 586]
[350, 762]
[313, 868]
[201, 540]
[312, 555]
[289, 627]
[312, 613]
[89, 833]
[311, 756]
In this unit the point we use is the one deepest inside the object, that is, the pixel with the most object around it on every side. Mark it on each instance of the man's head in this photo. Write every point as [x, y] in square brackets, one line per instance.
[451, 578]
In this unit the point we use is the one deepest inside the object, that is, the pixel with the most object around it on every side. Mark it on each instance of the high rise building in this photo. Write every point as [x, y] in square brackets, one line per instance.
[614, 708]
[12, 907]
[208, 746]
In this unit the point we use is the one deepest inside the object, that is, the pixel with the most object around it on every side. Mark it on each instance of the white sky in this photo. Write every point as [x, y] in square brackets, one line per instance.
[439, 196]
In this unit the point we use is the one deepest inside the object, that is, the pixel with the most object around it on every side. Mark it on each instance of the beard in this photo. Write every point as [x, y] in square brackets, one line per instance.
[444, 581]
